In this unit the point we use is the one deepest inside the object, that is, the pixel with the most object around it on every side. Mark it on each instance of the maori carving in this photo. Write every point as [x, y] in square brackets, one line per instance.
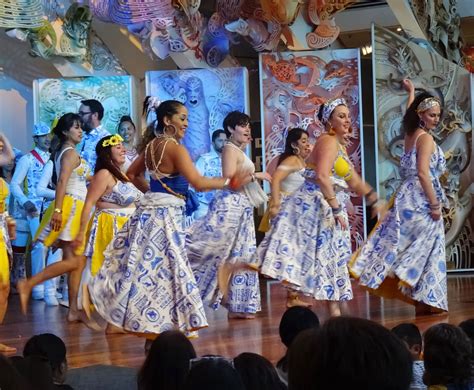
[441, 23]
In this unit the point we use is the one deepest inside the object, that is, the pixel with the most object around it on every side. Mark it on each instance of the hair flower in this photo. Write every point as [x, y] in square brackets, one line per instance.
[112, 141]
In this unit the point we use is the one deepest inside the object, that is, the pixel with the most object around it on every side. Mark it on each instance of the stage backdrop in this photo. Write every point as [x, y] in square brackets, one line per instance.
[396, 58]
[293, 85]
[208, 94]
[55, 97]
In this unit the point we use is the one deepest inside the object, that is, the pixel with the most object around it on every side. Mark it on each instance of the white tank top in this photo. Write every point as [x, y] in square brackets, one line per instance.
[293, 181]
[76, 185]
[253, 190]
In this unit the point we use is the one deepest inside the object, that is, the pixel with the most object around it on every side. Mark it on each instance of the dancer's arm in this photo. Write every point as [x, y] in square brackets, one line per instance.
[362, 188]
[184, 165]
[323, 156]
[136, 173]
[424, 150]
[69, 161]
[287, 166]
[230, 163]
[101, 182]
[7, 155]
[407, 84]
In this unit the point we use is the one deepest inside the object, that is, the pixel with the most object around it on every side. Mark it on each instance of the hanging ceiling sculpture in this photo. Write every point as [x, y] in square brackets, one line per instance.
[441, 23]
[396, 58]
[321, 14]
[66, 32]
[21, 14]
[294, 85]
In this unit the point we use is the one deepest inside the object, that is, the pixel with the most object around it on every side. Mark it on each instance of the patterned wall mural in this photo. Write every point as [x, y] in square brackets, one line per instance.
[395, 58]
[293, 86]
[208, 94]
[55, 97]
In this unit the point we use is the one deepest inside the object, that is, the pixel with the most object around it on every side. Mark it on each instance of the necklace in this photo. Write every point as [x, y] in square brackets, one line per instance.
[239, 145]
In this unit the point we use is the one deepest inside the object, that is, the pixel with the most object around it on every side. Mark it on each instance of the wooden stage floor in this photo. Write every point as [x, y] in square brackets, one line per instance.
[228, 338]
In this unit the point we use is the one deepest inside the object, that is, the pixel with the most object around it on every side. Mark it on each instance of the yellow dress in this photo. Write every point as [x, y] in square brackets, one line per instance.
[5, 248]
[73, 203]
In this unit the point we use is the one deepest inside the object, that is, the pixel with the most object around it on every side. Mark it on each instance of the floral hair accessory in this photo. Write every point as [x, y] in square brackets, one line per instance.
[428, 103]
[112, 141]
[329, 107]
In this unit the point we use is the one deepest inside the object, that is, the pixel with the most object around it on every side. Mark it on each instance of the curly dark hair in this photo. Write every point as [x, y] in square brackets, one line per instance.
[167, 108]
[411, 120]
[349, 353]
[447, 355]
[294, 135]
[104, 160]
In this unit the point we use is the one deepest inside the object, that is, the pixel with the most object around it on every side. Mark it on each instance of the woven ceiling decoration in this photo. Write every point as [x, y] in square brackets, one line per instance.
[21, 13]
[131, 11]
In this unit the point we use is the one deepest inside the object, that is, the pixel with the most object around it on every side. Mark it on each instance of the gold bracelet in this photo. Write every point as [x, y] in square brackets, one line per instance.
[59, 211]
[329, 198]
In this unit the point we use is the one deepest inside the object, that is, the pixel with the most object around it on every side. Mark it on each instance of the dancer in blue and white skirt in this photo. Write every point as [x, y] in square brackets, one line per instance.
[404, 257]
[287, 178]
[226, 235]
[145, 284]
[310, 245]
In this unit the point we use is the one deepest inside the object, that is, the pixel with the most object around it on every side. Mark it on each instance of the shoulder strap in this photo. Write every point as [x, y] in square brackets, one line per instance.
[36, 155]
[62, 152]
[416, 139]
[234, 146]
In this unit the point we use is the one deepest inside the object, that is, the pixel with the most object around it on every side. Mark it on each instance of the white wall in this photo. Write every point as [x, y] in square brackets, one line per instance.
[16, 112]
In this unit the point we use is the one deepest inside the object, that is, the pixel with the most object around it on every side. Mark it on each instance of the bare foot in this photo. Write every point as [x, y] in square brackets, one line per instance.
[24, 291]
[6, 349]
[80, 316]
[293, 299]
[334, 309]
[86, 301]
[240, 316]
[73, 316]
[112, 329]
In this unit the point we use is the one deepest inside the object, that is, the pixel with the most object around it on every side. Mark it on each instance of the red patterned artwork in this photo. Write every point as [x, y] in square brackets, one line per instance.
[293, 86]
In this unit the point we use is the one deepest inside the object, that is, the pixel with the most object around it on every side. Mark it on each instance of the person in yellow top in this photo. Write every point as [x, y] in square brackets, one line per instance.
[316, 236]
[7, 233]
[61, 222]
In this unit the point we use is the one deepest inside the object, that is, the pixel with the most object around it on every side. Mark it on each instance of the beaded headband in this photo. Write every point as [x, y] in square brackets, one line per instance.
[428, 103]
[112, 141]
[329, 107]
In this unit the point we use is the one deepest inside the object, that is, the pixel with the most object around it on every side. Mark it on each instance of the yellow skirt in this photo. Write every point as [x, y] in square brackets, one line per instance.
[102, 228]
[5, 251]
[71, 222]
[265, 223]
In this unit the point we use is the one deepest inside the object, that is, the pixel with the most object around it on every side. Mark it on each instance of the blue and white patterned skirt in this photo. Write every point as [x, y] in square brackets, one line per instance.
[146, 284]
[226, 234]
[306, 249]
[407, 247]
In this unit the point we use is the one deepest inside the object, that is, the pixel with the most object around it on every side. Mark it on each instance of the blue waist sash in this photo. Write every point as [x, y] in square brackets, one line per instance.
[177, 185]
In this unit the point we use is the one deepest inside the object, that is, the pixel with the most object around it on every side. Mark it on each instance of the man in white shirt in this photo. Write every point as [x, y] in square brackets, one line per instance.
[210, 164]
[91, 112]
[29, 206]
